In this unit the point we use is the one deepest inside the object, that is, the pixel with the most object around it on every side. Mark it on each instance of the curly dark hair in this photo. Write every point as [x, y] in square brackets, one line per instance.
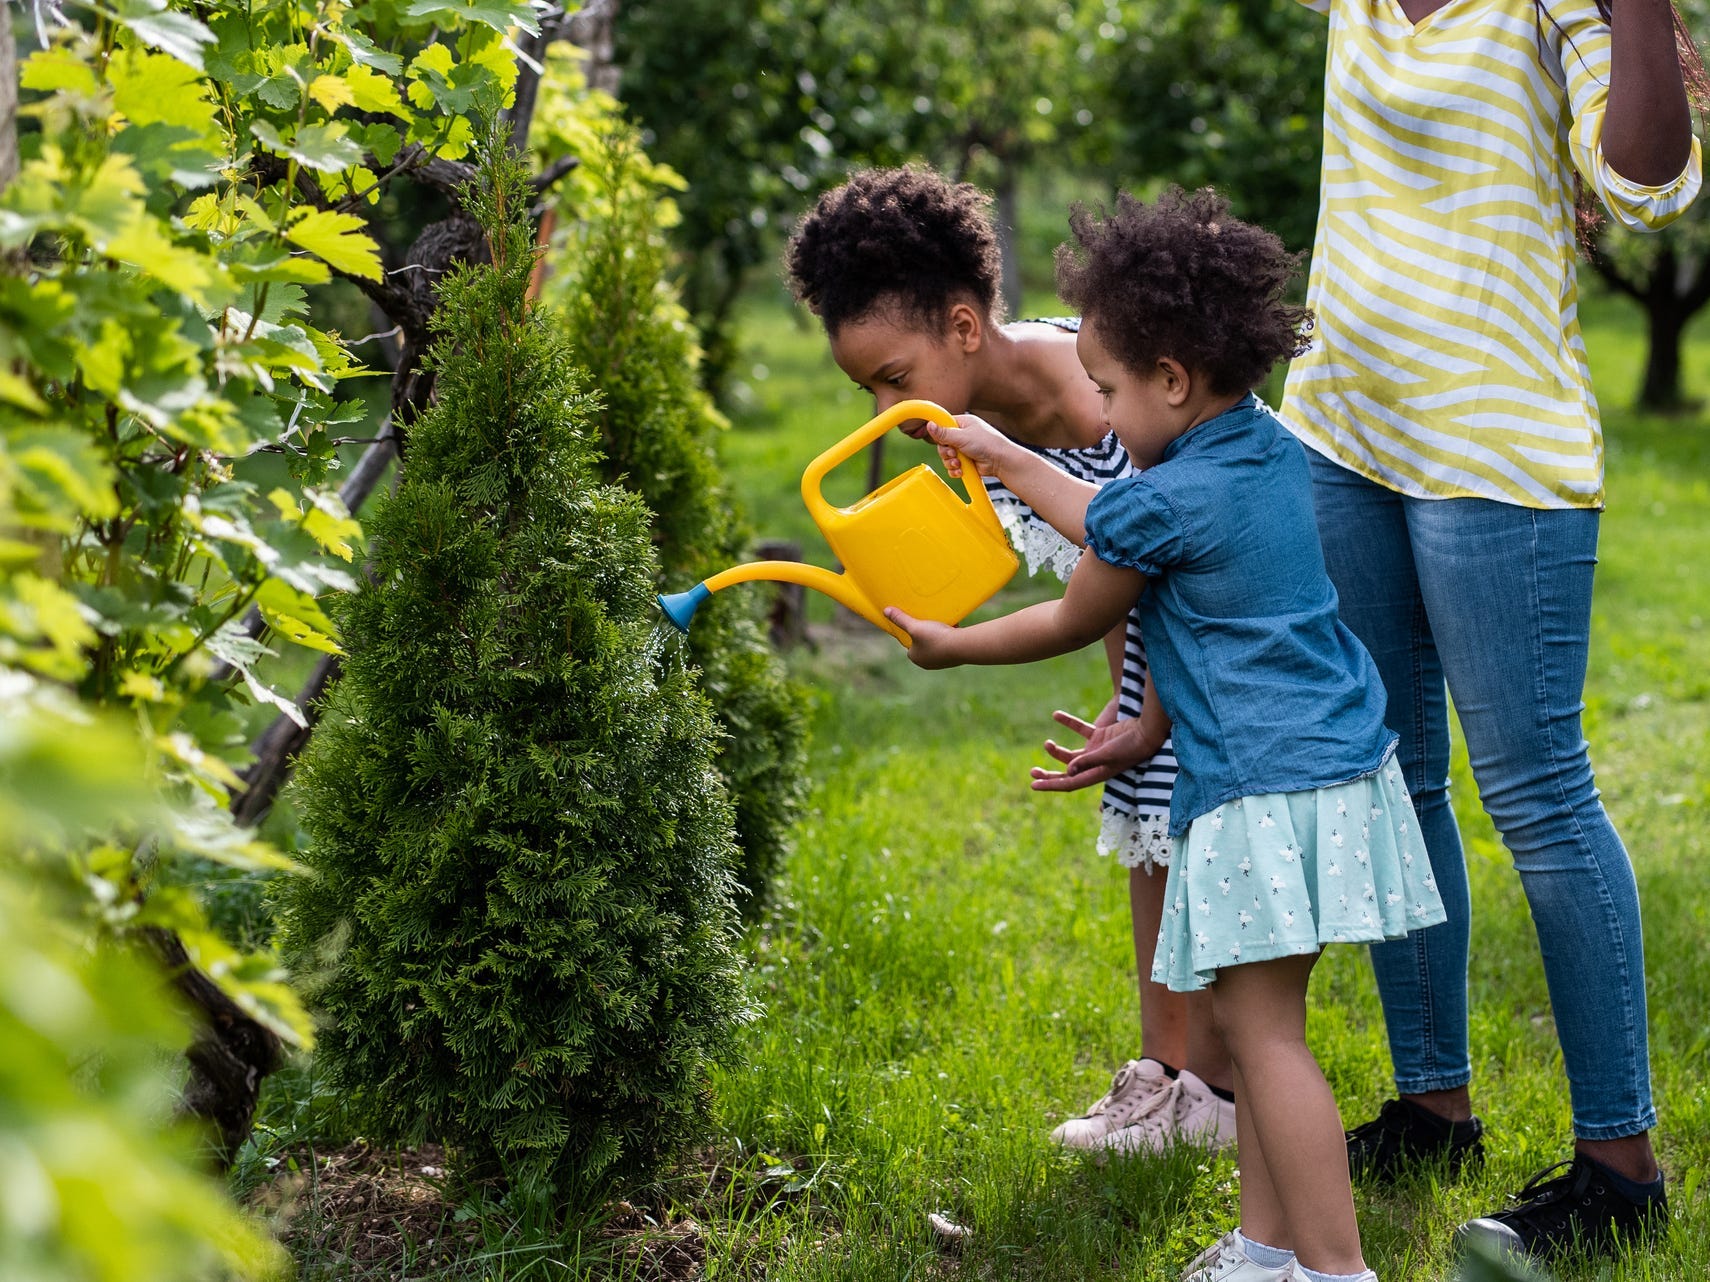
[908, 237]
[1180, 278]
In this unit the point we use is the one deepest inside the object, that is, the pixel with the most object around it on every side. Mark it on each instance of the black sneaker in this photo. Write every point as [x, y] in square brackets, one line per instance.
[1579, 1211]
[1403, 1135]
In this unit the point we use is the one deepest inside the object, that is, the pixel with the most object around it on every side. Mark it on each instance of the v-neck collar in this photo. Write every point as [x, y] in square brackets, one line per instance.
[1429, 20]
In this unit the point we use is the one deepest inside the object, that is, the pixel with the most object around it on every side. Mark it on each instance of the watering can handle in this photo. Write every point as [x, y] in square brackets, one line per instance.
[864, 436]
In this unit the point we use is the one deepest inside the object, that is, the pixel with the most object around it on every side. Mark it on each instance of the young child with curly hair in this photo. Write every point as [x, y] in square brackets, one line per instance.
[902, 268]
[1292, 826]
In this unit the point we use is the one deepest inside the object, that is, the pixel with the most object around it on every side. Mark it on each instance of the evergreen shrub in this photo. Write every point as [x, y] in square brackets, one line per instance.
[659, 430]
[517, 825]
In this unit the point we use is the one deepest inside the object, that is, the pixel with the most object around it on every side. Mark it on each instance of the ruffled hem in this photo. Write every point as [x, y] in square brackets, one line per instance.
[1038, 543]
[1283, 874]
[1137, 841]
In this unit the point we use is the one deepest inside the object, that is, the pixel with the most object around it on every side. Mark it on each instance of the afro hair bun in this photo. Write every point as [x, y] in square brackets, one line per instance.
[1181, 278]
[905, 237]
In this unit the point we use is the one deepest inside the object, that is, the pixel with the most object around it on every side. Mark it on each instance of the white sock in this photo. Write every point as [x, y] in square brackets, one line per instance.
[1266, 1257]
[1314, 1276]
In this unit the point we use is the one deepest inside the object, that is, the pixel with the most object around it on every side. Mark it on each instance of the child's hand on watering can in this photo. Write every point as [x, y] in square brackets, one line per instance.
[973, 438]
[931, 645]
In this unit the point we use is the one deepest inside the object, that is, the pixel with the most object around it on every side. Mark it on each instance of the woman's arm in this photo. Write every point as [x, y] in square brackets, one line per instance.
[1098, 597]
[1647, 132]
[1631, 136]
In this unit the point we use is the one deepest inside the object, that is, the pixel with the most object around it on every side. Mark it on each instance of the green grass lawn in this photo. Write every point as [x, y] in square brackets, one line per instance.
[948, 969]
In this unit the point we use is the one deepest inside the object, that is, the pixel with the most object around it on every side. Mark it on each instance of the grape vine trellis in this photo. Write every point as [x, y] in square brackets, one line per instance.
[186, 171]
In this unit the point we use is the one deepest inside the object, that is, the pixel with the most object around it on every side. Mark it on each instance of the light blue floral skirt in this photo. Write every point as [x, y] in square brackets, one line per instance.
[1281, 874]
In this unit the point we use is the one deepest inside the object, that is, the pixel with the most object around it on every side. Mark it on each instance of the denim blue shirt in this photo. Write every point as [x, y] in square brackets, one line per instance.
[1268, 691]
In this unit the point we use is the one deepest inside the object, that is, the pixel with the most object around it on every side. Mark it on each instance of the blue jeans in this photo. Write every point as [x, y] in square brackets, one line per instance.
[1493, 601]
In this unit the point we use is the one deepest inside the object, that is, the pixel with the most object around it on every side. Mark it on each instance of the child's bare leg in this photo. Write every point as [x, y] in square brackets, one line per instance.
[1287, 1117]
[1175, 1028]
[1207, 1056]
[1262, 1217]
[1164, 1027]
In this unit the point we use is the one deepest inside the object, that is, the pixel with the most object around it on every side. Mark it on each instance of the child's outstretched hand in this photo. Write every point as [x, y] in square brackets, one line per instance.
[1110, 749]
[932, 645]
[974, 438]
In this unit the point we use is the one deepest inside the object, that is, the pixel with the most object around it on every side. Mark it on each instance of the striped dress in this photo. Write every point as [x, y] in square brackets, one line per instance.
[1448, 360]
[1135, 812]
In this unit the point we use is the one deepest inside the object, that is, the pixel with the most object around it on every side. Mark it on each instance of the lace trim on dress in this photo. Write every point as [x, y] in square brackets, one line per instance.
[1137, 841]
[1040, 545]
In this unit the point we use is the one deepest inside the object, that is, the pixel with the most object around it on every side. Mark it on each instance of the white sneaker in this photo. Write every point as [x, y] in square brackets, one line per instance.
[1185, 1112]
[1225, 1261]
[1133, 1090]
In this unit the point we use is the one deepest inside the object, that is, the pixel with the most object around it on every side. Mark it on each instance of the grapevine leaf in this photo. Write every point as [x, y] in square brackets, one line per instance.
[170, 153]
[146, 247]
[257, 983]
[381, 140]
[63, 473]
[326, 519]
[231, 645]
[370, 91]
[325, 147]
[279, 599]
[340, 240]
[160, 28]
[500, 15]
[332, 92]
[59, 68]
[365, 53]
[40, 610]
[281, 267]
[181, 748]
[18, 393]
[280, 92]
[151, 88]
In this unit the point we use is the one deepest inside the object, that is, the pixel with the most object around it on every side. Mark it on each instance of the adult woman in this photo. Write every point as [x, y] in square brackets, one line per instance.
[1458, 481]
[901, 266]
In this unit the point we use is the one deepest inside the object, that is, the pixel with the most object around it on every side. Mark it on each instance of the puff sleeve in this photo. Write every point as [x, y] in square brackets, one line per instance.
[1132, 523]
[1578, 42]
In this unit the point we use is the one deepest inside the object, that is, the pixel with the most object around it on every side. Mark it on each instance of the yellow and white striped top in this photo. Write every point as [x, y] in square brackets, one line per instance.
[1448, 360]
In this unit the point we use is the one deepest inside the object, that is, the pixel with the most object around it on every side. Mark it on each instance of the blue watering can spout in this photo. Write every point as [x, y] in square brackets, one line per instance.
[680, 607]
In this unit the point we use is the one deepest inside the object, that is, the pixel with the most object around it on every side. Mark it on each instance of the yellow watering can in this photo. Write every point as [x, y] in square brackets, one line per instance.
[911, 543]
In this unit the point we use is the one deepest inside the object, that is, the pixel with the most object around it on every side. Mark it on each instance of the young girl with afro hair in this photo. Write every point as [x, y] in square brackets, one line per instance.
[902, 268]
[1292, 827]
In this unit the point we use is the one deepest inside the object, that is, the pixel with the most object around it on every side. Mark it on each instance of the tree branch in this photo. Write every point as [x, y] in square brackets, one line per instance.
[1698, 293]
[279, 744]
[230, 1053]
[1605, 267]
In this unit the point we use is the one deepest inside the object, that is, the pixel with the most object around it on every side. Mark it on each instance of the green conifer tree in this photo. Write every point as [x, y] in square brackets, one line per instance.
[658, 432]
[516, 820]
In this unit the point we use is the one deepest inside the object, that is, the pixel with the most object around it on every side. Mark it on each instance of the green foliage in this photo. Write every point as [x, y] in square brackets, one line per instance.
[792, 90]
[95, 1187]
[798, 91]
[154, 333]
[1225, 94]
[658, 433]
[517, 825]
[186, 171]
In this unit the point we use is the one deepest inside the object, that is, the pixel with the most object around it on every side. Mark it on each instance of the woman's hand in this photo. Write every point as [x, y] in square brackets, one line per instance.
[931, 645]
[973, 438]
[1110, 749]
